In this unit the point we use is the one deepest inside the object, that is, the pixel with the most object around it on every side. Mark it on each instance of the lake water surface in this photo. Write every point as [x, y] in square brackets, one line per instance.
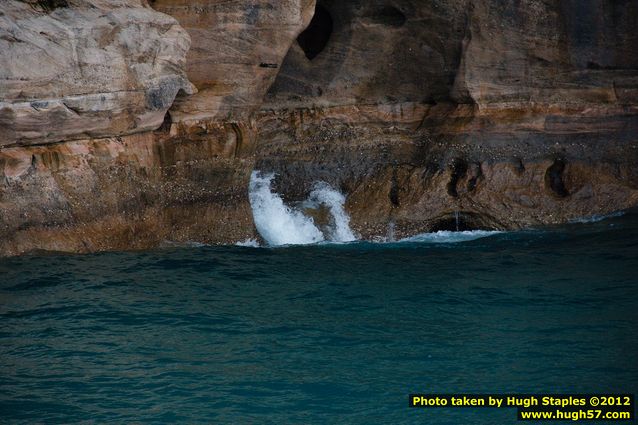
[334, 333]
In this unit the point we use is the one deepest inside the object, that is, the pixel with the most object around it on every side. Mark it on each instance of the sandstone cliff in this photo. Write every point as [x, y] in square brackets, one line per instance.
[91, 68]
[510, 114]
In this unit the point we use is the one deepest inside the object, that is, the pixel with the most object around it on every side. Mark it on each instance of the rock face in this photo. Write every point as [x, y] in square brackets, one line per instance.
[238, 46]
[187, 181]
[505, 114]
[89, 68]
[511, 114]
[128, 192]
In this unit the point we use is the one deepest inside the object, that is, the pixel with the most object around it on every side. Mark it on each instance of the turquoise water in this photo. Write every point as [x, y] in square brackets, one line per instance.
[318, 334]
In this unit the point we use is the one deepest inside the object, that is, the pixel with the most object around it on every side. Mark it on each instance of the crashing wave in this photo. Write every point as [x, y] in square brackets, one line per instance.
[280, 224]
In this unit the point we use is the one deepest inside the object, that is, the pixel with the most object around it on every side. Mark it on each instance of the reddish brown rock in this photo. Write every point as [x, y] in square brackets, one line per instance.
[507, 114]
[482, 88]
[500, 169]
[129, 192]
[237, 49]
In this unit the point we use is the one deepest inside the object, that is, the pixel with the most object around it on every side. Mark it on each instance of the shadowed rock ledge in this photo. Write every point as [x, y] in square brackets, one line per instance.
[509, 114]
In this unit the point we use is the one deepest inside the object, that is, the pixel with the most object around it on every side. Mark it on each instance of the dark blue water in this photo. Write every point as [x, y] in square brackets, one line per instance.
[320, 334]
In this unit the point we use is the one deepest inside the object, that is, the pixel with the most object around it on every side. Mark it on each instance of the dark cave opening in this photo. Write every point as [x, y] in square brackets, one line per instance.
[460, 221]
[554, 178]
[450, 224]
[166, 124]
[390, 16]
[458, 171]
[315, 38]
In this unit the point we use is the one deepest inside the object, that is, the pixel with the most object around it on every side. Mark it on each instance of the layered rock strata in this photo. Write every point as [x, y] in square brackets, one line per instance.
[503, 114]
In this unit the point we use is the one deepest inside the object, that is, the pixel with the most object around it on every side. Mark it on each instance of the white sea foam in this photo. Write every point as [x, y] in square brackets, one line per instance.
[277, 223]
[280, 224]
[596, 218]
[339, 229]
[446, 236]
[250, 243]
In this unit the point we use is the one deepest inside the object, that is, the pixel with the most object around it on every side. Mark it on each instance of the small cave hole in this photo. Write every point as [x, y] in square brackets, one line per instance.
[166, 124]
[475, 177]
[554, 178]
[390, 16]
[518, 165]
[458, 171]
[394, 190]
[315, 38]
[458, 222]
[471, 183]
